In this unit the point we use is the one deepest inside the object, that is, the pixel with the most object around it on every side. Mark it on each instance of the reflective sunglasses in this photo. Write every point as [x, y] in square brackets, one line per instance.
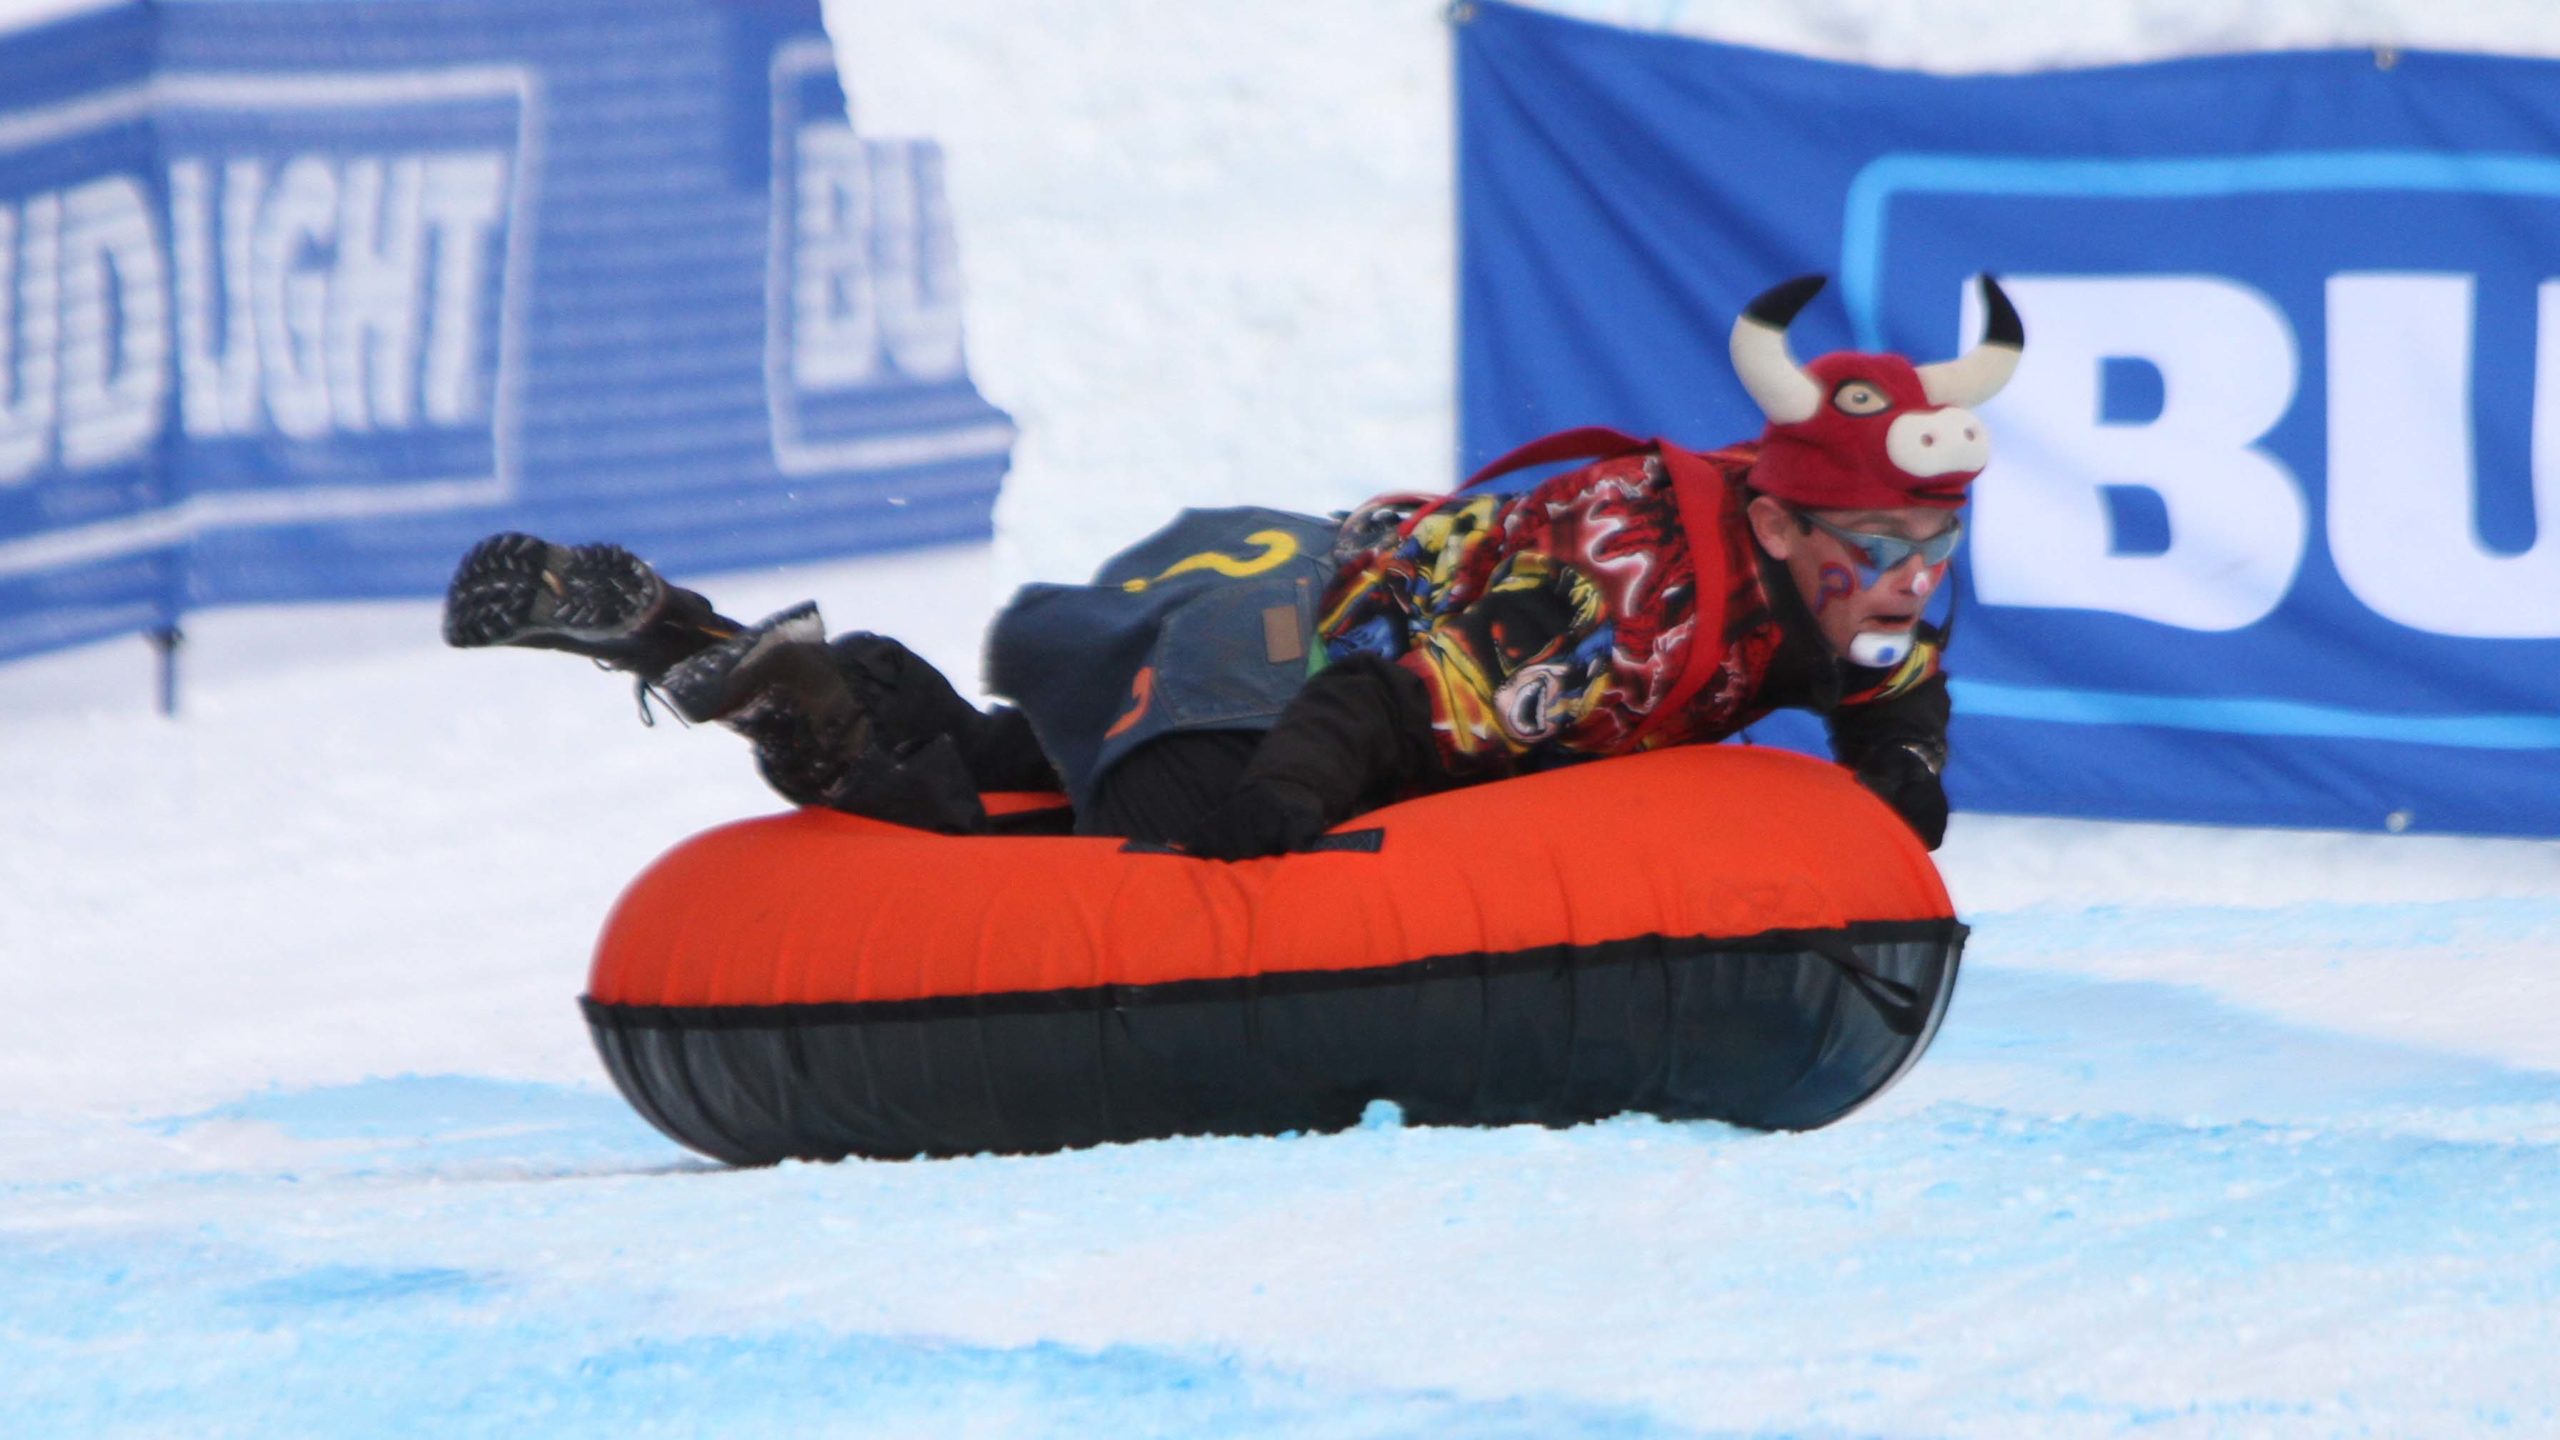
[1881, 553]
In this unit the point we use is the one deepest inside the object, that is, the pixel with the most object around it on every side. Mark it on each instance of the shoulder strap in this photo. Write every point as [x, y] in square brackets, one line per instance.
[1704, 488]
[1591, 442]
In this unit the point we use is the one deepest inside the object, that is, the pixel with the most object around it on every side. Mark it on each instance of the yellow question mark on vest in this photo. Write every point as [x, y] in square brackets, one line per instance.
[1279, 547]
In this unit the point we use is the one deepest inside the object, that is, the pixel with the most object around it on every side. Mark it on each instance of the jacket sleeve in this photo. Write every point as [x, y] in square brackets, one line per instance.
[1357, 736]
[1897, 745]
[1916, 718]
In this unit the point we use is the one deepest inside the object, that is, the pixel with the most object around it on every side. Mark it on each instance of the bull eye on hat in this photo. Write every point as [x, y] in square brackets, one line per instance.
[1836, 424]
[1858, 397]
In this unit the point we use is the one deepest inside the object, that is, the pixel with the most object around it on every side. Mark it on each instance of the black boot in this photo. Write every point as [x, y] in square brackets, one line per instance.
[777, 684]
[600, 601]
[783, 656]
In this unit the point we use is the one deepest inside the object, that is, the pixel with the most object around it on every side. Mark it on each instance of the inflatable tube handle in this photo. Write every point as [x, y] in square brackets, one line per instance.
[1345, 842]
[1898, 1005]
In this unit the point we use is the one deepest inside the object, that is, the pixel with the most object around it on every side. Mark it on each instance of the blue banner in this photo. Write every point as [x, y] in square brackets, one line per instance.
[2271, 533]
[299, 299]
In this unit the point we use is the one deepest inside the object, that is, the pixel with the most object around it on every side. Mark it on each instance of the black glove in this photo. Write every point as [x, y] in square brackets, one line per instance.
[1908, 781]
[1261, 817]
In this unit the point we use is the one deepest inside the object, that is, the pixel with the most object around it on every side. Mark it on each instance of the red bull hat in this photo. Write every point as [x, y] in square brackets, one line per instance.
[1854, 431]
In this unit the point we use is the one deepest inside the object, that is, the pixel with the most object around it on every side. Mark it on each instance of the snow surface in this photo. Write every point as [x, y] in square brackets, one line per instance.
[2229, 1132]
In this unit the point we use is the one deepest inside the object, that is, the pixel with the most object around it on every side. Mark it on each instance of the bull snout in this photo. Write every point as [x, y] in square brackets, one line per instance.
[1944, 441]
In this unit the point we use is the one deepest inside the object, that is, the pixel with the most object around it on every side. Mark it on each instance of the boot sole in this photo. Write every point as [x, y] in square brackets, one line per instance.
[515, 588]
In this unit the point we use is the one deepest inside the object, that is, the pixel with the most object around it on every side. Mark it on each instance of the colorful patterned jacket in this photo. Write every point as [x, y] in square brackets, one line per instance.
[1619, 606]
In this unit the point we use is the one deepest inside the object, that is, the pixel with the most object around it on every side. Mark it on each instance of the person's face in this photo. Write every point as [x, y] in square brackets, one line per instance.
[1846, 595]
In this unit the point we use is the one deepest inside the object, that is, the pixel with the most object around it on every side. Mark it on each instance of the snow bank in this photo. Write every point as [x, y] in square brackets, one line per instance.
[1209, 248]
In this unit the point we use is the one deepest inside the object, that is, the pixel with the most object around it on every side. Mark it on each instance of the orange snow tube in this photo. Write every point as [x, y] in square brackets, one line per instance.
[1725, 933]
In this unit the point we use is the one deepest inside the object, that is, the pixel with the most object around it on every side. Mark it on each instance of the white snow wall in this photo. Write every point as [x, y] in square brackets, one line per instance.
[1281, 307]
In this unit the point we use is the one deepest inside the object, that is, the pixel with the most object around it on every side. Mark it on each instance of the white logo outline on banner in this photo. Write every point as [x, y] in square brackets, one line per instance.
[171, 525]
[1863, 243]
[793, 452]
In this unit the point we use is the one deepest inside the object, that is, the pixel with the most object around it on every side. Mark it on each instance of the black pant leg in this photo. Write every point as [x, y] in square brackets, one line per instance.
[1153, 794]
[905, 747]
[1163, 786]
[1004, 755]
[911, 703]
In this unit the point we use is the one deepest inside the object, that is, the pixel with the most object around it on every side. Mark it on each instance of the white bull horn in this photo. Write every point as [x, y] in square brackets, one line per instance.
[1783, 391]
[1977, 374]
